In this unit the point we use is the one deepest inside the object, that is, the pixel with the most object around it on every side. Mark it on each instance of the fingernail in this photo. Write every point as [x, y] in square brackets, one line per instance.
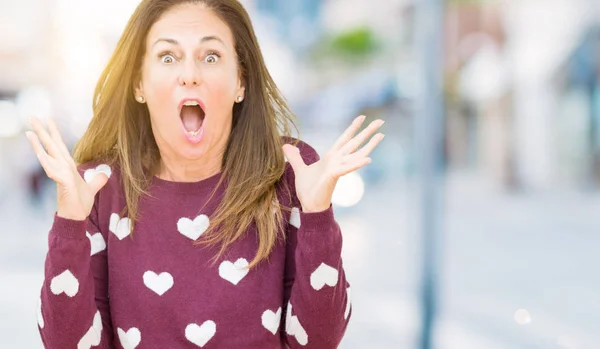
[28, 134]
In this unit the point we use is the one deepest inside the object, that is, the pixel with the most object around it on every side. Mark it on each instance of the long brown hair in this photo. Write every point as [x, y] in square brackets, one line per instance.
[253, 162]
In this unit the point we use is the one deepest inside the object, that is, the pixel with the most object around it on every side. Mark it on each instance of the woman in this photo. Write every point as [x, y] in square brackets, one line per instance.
[179, 222]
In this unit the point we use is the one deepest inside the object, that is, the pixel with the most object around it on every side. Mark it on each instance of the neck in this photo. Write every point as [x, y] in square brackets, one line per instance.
[192, 171]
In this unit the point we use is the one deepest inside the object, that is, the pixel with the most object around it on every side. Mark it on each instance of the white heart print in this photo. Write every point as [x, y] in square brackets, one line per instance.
[271, 320]
[323, 275]
[40, 318]
[295, 217]
[65, 282]
[200, 335]
[294, 328]
[193, 229]
[234, 272]
[348, 303]
[298, 331]
[288, 318]
[88, 175]
[160, 283]
[93, 336]
[129, 339]
[97, 242]
[119, 226]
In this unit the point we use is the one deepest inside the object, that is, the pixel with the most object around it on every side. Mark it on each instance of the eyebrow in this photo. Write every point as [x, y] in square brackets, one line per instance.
[203, 40]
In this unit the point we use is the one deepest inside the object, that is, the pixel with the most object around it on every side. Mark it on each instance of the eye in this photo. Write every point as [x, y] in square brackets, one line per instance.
[212, 58]
[167, 58]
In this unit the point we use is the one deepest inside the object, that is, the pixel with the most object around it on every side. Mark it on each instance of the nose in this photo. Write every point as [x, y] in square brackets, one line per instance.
[190, 74]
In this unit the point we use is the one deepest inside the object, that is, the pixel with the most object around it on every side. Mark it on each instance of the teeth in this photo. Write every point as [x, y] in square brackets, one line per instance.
[190, 103]
[193, 133]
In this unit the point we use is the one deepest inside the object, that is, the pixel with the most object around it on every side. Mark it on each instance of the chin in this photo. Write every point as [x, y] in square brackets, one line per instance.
[192, 152]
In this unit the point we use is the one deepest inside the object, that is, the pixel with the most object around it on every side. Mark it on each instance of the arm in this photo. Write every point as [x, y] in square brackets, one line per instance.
[316, 300]
[74, 299]
[74, 309]
[317, 305]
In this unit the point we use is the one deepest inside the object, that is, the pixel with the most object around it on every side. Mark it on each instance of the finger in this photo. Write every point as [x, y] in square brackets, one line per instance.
[349, 133]
[45, 160]
[99, 180]
[293, 155]
[44, 137]
[369, 147]
[351, 146]
[353, 163]
[55, 134]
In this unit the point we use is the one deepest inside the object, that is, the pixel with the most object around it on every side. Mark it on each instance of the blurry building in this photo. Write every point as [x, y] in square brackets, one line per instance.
[478, 91]
[502, 96]
[578, 84]
[295, 21]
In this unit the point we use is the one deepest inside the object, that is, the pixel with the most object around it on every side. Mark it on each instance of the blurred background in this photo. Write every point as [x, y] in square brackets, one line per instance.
[506, 240]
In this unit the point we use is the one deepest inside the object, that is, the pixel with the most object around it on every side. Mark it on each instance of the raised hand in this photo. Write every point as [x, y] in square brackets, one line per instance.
[74, 195]
[315, 183]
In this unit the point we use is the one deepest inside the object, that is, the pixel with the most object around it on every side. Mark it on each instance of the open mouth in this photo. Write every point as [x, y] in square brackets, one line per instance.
[192, 116]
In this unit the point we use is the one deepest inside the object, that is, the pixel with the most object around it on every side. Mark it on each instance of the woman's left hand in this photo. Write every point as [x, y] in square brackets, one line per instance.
[315, 183]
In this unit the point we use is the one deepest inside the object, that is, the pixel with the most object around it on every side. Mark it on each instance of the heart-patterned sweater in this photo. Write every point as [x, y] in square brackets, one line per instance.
[157, 288]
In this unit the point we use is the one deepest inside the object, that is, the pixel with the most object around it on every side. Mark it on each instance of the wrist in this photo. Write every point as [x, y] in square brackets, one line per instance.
[315, 208]
[70, 215]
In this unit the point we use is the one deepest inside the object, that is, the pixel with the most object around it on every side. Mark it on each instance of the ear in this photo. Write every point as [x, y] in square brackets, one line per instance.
[138, 90]
[241, 89]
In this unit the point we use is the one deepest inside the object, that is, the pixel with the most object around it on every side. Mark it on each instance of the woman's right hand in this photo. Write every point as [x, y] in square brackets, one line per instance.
[74, 195]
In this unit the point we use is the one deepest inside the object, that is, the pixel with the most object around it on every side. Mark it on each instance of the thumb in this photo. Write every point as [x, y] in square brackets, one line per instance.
[293, 155]
[96, 183]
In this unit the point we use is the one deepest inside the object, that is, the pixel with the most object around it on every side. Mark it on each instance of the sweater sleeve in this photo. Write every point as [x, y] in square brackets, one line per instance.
[74, 308]
[316, 300]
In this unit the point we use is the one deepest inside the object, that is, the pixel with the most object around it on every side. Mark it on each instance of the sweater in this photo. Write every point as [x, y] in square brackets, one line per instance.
[104, 288]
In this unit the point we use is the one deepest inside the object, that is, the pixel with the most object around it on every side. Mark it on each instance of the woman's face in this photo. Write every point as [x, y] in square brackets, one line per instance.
[190, 81]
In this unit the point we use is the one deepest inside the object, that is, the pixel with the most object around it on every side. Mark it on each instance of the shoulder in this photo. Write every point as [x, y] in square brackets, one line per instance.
[308, 153]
